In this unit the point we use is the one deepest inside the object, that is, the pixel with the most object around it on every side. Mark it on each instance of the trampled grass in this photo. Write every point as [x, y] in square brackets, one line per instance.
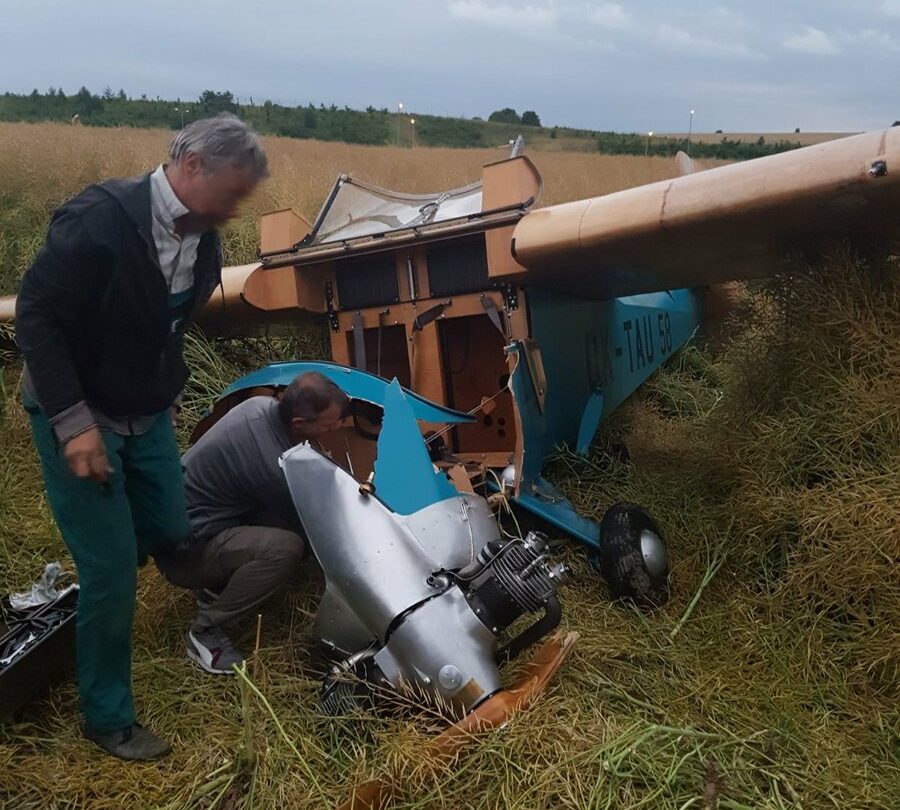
[769, 680]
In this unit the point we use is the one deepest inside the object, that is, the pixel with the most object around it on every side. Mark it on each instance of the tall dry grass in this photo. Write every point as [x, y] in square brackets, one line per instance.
[41, 165]
[769, 681]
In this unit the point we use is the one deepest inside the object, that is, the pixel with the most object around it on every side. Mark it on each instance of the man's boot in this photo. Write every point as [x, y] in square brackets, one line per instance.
[133, 743]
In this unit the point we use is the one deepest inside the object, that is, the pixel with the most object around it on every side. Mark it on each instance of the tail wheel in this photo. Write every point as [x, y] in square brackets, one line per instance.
[632, 556]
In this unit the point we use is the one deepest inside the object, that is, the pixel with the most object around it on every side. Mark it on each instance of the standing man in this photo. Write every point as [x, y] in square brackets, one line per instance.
[241, 509]
[100, 318]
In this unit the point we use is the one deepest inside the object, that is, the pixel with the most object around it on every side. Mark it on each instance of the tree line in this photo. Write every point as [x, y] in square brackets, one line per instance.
[112, 108]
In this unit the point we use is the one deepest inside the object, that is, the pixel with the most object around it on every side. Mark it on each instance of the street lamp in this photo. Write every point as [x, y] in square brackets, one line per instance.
[412, 122]
[647, 147]
[690, 130]
[399, 116]
[182, 110]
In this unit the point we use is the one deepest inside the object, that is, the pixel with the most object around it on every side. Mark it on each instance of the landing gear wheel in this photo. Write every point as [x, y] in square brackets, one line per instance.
[632, 556]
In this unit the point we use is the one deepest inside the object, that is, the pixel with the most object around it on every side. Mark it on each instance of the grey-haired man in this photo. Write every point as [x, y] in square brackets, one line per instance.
[100, 318]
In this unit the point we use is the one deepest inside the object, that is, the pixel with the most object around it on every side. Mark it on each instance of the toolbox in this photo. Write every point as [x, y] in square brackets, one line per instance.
[37, 646]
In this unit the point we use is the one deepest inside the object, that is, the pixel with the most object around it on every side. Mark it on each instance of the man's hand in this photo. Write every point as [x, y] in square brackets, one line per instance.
[86, 456]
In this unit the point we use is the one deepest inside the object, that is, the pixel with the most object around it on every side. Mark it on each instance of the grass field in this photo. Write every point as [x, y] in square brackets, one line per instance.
[41, 165]
[770, 455]
[803, 138]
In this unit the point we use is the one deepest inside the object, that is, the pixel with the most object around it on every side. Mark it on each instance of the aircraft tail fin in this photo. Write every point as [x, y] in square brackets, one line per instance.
[685, 164]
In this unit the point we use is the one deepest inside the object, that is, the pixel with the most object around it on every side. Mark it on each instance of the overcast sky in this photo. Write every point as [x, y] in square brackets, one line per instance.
[742, 66]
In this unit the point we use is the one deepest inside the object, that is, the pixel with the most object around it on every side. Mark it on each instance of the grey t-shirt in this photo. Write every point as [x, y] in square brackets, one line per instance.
[232, 476]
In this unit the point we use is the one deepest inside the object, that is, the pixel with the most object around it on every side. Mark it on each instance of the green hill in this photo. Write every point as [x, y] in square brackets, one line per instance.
[369, 126]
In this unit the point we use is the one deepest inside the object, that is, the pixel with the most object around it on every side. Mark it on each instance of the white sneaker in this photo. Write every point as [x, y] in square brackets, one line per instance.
[212, 650]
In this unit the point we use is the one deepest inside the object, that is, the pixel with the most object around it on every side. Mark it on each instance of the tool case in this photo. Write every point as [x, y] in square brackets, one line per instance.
[37, 646]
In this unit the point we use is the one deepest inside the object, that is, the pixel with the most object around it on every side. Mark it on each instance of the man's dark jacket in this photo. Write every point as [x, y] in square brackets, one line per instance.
[92, 316]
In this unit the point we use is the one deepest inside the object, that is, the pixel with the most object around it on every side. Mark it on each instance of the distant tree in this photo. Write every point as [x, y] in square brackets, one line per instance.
[213, 102]
[107, 93]
[553, 133]
[530, 119]
[505, 116]
[87, 103]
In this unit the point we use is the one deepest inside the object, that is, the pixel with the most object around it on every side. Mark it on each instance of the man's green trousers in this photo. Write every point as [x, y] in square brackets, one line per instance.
[108, 528]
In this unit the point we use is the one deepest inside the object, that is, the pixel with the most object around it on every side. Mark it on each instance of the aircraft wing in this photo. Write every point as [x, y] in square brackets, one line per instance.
[732, 222]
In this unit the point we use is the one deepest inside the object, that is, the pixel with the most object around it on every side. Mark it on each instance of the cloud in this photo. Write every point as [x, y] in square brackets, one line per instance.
[873, 41]
[891, 8]
[812, 41]
[525, 19]
[611, 15]
[684, 42]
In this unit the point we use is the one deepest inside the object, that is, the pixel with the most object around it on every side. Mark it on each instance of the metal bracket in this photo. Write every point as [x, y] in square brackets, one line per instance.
[381, 314]
[429, 315]
[359, 342]
[490, 309]
[510, 298]
[535, 365]
[411, 278]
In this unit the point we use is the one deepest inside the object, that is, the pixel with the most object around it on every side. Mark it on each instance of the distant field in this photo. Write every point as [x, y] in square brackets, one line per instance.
[803, 138]
[769, 680]
[41, 165]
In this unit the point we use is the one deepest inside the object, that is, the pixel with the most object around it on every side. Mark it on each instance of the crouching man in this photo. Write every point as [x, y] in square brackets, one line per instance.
[247, 533]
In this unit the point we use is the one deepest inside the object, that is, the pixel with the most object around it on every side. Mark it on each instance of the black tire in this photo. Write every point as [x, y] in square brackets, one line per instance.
[620, 560]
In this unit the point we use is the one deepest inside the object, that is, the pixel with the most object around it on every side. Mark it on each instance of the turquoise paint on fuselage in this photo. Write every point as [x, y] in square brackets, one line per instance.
[595, 354]
[405, 479]
[355, 383]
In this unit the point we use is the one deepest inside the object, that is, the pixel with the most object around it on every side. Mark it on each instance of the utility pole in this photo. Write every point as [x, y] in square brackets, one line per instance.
[399, 116]
[690, 131]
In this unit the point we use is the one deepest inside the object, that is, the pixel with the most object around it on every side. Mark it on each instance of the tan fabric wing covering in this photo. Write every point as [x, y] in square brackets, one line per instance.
[734, 221]
[281, 230]
[254, 300]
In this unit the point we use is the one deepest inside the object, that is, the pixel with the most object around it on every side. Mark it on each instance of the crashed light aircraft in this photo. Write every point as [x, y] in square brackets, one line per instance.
[507, 330]
[474, 333]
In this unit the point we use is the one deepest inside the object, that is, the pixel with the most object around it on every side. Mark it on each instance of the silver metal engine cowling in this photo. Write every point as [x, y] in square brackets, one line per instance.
[412, 600]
